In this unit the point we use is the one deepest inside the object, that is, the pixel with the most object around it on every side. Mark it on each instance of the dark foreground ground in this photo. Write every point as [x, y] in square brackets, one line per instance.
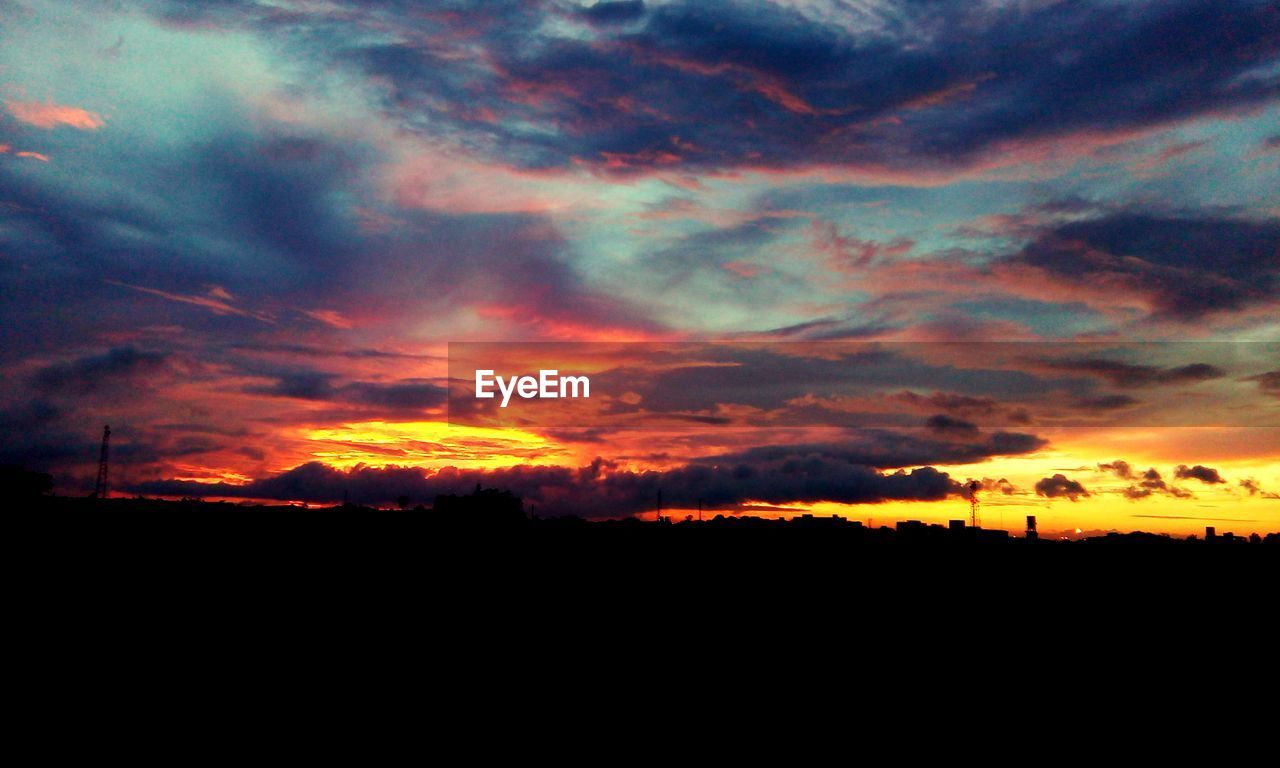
[118, 564]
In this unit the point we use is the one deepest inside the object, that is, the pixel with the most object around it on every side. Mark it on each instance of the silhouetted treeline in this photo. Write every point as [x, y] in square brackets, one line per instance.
[23, 484]
[500, 513]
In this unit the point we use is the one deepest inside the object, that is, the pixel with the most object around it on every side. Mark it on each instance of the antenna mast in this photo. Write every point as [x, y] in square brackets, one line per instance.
[100, 488]
[975, 518]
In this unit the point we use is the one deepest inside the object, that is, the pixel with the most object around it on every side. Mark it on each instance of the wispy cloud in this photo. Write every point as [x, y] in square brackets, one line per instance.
[43, 114]
[210, 301]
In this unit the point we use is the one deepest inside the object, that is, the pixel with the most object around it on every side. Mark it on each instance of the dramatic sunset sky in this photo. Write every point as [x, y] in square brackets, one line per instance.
[245, 233]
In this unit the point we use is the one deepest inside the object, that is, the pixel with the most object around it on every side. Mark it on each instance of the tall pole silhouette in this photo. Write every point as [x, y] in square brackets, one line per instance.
[100, 488]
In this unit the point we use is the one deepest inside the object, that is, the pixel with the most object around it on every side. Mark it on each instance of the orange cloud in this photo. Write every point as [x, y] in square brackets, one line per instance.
[329, 317]
[43, 114]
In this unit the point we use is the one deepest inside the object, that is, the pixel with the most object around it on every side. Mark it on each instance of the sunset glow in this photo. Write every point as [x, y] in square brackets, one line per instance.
[815, 257]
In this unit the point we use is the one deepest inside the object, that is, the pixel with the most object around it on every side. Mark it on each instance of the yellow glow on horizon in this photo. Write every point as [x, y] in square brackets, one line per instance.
[1229, 507]
[430, 445]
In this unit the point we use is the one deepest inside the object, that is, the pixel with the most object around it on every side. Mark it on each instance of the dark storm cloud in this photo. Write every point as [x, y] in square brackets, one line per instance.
[275, 193]
[272, 195]
[948, 425]
[613, 12]
[300, 385]
[761, 377]
[1060, 486]
[950, 402]
[858, 384]
[1207, 475]
[406, 395]
[868, 467]
[123, 366]
[1186, 267]
[179, 220]
[884, 449]
[47, 450]
[722, 84]
[24, 417]
[1124, 374]
[587, 492]
[30, 437]
[40, 435]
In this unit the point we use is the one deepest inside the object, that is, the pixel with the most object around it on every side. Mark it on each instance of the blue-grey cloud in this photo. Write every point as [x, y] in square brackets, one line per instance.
[1186, 267]
[716, 84]
[122, 366]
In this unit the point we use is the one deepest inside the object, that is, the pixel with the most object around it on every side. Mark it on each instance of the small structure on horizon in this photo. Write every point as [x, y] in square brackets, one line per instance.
[975, 519]
[100, 487]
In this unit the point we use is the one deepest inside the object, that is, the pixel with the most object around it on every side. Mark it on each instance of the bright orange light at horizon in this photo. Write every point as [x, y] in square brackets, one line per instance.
[429, 445]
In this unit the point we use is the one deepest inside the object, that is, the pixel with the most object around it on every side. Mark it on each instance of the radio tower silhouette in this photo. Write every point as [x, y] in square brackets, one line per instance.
[100, 489]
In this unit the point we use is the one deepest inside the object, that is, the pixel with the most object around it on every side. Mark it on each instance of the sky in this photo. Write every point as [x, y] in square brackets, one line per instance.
[246, 233]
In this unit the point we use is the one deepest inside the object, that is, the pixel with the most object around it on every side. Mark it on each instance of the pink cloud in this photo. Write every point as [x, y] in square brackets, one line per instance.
[1154, 164]
[851, 254]
[944, 96]
[330, 318]
[43, 114]
[436, 179]
[745, 78]
[743, 269]
[214, 305]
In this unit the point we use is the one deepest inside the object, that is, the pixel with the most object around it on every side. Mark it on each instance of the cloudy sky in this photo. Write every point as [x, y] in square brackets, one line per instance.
[243, 234]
